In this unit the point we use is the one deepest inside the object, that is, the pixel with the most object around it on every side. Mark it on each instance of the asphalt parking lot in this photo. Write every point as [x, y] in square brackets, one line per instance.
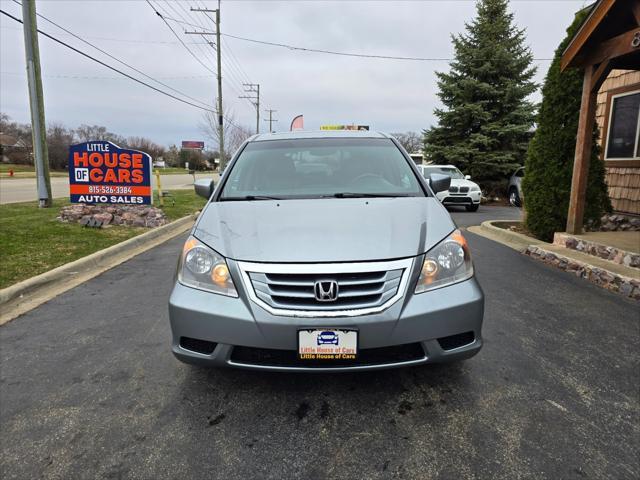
[90, 389]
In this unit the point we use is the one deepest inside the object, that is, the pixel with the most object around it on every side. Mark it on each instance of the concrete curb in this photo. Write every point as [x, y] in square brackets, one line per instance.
[515, 240]
[28, 294]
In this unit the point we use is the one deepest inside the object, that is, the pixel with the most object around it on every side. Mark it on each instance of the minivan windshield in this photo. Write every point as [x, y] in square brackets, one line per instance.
[453, 172]
[320, 168]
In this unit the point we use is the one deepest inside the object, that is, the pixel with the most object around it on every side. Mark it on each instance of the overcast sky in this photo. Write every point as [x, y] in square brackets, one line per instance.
[388, 95]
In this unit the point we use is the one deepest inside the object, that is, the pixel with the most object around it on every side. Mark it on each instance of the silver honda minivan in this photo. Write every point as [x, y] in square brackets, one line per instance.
[324, 251]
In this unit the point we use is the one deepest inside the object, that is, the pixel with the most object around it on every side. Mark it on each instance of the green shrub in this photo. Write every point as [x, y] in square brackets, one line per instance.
[550, 158]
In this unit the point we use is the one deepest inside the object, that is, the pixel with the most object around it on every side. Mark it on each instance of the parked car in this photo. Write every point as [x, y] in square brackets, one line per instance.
[515, 188]
[282, 259]
[462, 190]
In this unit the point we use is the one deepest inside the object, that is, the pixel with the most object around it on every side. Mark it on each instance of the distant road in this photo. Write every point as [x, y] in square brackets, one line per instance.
[14, 190]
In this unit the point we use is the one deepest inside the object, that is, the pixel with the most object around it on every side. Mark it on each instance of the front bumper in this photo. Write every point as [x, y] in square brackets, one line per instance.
[242, 331]
[469, 198]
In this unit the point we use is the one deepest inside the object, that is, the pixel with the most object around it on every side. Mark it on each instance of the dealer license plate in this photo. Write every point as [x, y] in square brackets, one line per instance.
[327, 344]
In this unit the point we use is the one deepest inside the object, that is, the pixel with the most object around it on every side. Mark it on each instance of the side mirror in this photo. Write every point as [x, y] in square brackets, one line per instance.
[204, 187]
[439, 182]
[467, 177]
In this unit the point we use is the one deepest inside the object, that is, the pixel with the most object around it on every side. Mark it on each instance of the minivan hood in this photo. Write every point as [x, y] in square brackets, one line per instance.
[324, 230]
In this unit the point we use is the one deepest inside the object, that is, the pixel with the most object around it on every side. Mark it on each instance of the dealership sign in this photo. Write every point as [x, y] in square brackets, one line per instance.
[344, 127]
[192, 145]
[102, 172]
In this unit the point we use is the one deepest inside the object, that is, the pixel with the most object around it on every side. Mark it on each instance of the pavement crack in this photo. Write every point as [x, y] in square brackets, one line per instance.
[216, 420]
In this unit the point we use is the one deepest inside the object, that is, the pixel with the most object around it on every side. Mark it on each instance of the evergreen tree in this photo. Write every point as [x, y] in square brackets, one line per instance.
[549, 164]
[485, 125]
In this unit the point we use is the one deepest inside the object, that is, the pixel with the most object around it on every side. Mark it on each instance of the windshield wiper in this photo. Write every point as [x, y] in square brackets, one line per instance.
[248, 197]
[365, 195]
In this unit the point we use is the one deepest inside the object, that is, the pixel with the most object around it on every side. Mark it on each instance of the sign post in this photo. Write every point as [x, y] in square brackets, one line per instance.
[159, 188]
[100, 172]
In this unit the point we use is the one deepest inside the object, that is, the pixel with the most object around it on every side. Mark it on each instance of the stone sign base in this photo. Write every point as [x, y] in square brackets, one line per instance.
[129, 215]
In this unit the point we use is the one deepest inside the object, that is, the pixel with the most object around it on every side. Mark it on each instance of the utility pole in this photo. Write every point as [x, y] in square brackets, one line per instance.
[36, 101]
[219, 58]
[271, 119]
[253, 88]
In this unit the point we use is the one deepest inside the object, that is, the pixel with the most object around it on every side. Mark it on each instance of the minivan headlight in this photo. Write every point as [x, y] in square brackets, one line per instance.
[447, 263]
[204, 269]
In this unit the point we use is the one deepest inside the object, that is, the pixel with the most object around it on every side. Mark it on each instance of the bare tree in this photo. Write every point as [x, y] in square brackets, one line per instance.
[59, 138]
[234, 134]
[411, 141]
[144, 145]
[88, 133]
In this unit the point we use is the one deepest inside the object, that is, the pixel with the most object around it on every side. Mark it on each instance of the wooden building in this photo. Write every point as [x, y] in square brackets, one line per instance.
[607, 48]
[617, 97]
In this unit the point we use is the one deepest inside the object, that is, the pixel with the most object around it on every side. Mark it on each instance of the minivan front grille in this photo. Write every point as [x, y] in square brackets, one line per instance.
[355, 290]
[360, 288]
[289, 358]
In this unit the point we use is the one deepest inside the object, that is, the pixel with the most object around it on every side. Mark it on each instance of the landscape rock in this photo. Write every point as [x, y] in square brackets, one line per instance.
[617, 222]
[128, 215]
[606, 252]
[104, 218]
[629, 287]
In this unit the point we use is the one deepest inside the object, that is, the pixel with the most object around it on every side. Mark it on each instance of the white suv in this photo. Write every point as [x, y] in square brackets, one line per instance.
[462, 190]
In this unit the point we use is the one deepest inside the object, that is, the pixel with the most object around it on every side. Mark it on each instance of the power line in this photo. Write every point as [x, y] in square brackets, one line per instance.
[81, 76]
[204, 51]
[179, 39]
[109, 66]
[166, 15]
[189, 24]
[188, 19]
[116, 59]
[345, 54]
[333, 52]
[232, 76]
[235, 62]
[291, 47]
[110, 39]
[190, 15]
[51, 37]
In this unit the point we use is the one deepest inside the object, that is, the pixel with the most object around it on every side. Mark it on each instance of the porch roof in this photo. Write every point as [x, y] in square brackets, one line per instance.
[608, 33]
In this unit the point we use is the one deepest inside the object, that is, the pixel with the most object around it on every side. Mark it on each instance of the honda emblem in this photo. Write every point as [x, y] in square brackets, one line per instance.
[326, 290]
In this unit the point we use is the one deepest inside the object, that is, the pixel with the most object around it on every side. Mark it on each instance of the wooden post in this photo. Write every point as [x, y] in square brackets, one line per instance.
[159, 185]
[583, 153]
